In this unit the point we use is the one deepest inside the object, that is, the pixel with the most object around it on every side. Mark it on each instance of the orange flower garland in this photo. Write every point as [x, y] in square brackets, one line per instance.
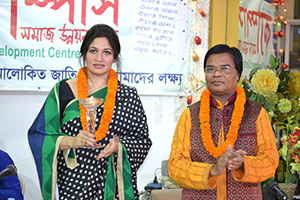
[236, 119]
[112, 88]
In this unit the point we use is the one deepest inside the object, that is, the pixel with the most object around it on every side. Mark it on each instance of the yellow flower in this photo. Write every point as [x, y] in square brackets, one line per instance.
[294, 84]
[265, 82]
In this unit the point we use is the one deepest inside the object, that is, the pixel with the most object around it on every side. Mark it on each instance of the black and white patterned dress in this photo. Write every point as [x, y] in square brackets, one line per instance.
[129, 123]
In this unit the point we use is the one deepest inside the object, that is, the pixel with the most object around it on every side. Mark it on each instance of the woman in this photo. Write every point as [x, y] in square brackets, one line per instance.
[83, 164]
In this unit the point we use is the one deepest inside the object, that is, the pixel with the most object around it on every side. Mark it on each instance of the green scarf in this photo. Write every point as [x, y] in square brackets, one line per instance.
[125, 188]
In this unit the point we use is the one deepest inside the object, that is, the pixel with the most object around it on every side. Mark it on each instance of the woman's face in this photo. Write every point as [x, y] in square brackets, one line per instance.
[99, 57]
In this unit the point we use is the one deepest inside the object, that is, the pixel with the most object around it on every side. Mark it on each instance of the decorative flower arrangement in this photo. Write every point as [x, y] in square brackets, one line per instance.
[278, 89]
[290, 150]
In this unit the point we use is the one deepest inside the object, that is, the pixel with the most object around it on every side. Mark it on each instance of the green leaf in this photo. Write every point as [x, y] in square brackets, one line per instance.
[253, 71]
[274, 63]
[272, 60]
[283, 152]
[297, 145]
[281, 127]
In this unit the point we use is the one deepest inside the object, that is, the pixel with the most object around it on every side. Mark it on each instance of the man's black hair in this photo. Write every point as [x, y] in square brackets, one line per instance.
[223, 48]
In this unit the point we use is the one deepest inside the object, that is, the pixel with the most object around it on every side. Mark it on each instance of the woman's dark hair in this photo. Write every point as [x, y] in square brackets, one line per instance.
[223, 48]
[101, 30]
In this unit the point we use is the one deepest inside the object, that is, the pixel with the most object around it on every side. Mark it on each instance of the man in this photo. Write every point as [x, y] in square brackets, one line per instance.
[10, 185]
[223, 145]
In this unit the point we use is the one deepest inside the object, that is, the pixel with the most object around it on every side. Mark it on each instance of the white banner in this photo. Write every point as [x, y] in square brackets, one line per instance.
[40, 41]
[256, 27]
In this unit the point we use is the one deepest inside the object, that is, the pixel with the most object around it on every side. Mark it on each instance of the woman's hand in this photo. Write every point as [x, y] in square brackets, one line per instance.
[113, 146]
[83, 139]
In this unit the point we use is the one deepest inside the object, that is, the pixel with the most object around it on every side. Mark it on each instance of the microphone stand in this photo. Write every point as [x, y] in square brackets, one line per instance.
[274, 192]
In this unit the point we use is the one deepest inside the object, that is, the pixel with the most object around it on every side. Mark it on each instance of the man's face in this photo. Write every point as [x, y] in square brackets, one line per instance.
[223, 81]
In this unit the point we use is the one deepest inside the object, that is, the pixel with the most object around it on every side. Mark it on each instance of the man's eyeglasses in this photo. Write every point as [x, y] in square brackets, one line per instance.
[226, 69]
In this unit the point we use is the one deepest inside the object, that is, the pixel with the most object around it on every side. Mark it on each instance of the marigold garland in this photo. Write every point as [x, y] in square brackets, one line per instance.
[236, 119]
[112, 88]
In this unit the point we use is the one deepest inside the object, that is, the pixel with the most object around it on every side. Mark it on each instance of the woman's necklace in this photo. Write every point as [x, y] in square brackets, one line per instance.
[236, 119]
[112, 88]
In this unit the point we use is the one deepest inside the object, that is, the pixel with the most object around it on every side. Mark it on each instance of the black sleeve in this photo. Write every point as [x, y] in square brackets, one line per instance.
[65, 96]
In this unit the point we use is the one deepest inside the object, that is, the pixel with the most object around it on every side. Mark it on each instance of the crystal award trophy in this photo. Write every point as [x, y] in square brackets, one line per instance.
[91, 104]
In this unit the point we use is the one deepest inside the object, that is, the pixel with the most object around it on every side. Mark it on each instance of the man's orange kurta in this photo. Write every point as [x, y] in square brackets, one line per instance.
[195, 175]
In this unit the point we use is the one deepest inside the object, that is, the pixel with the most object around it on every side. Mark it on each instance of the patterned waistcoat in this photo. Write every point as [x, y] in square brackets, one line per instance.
[246, 141]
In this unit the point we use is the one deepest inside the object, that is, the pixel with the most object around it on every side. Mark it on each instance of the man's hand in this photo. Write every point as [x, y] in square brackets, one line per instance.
[113, 146]
[221, 164]
[236, 161]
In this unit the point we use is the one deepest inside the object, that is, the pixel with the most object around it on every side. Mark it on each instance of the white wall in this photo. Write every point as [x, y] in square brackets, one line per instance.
[19, 109]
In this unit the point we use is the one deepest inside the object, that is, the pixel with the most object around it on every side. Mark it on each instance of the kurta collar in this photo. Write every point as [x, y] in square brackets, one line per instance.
[214, 103]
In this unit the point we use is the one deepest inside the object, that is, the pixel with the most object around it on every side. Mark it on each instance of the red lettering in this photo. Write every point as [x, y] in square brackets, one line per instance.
[83, 12]
[250, 18]
[105, 5]
[57, 5]
[38, 3]
[13, 18]
[68, 35]
[37, 33]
